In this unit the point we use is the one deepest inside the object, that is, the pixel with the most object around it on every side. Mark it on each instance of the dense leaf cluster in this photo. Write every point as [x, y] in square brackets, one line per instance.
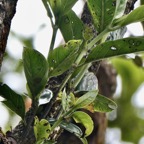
[74, 57]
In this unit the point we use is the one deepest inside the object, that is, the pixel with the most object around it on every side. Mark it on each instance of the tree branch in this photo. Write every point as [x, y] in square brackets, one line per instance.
[7, 11]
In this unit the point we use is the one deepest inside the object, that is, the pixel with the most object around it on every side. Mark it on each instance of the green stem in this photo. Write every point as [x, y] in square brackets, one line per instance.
[65, 81]
[55, 28]
[47, 9]
[80, 75]
[56, 124]
[99, 37]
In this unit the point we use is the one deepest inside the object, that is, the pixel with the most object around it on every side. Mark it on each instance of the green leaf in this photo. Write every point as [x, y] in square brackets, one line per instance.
[61, 7]
[116, 48]
[85, 120]
[136, 15]
[13, 100]
[41, 130]
[56, 6]
[85, 100]
[62, 58]
[120, 8]
[102, 12]
[67, 5]
[71, 26]
[84, 140]
[104, 104]
[72, 128]
[142, 2]
[36, 70]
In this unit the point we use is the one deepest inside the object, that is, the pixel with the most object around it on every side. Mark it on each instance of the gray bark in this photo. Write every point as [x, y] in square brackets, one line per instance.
[7, 11]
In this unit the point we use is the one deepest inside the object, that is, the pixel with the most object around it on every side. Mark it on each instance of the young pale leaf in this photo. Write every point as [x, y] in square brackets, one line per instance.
[85, 100]
[62, 58]
[71, 26]
[102, 12]
[36, 70]
[72, 128]
[13, 100]
[136, 15]
[41, 130]
[120, 8]
[64, 100]
[104, 104]
[84, 119]
[84, 140]
[116, 48]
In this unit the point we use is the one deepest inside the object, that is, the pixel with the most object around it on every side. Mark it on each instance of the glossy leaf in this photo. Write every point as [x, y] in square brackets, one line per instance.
[41, 130]
[85, 120]
[102, 12]
[62, 58]
[36, 70]
[12, 100]
[120, 8]
[116, 48]
[45, 97]
[136, 15]
[72, 128]
[85, 100]
[71, 26]
[104, 104]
